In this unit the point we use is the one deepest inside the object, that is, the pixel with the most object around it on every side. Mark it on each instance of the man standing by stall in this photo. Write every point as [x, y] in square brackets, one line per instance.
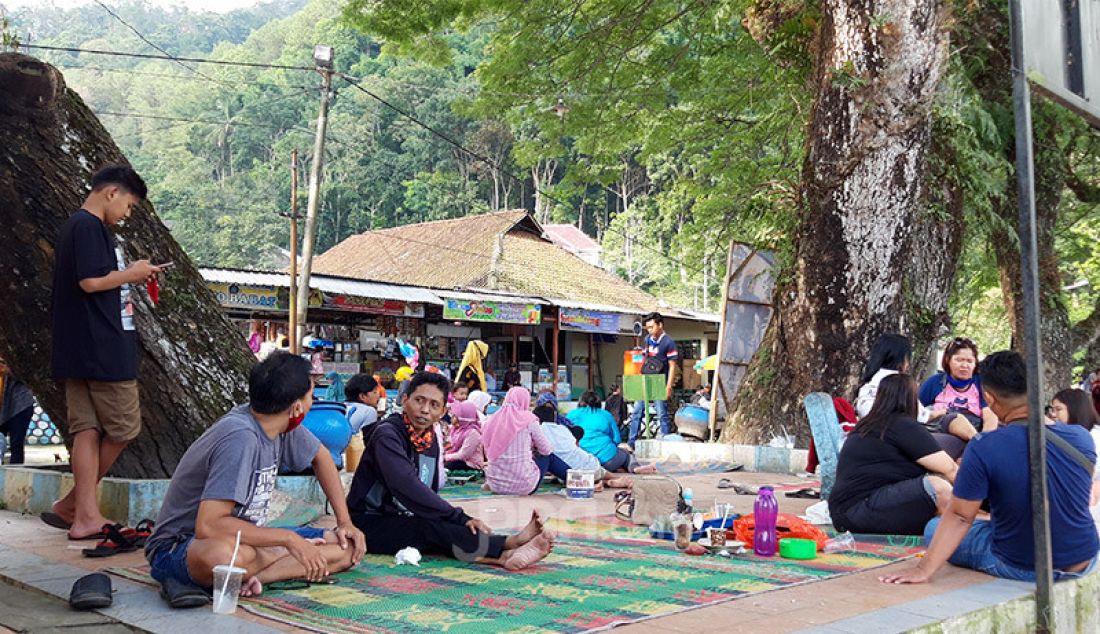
[661, 357]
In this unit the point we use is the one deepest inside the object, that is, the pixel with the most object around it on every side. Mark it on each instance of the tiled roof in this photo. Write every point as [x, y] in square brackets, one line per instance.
[458, 253]
[570, 237]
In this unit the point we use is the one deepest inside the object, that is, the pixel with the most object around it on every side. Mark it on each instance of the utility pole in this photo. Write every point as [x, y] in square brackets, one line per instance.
[292, 331]
[323, 57]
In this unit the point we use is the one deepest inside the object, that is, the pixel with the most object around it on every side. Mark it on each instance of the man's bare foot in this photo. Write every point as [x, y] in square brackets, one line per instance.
[598, 487]
[250, 588]
[531, 531]
[62, 510]
[529, 554]
[84, 530]
[622, 482]
[645, 468]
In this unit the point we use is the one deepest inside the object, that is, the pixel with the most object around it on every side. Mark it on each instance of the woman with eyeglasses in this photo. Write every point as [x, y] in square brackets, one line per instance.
[954, 394]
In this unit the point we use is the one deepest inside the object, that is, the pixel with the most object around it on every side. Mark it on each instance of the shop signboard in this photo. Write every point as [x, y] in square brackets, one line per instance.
[246, 296]
[589, 320]
[502, 312]
[355, 304]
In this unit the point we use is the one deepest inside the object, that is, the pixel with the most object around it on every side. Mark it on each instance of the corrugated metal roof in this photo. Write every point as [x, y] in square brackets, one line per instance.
[489, 296]
[326, 283]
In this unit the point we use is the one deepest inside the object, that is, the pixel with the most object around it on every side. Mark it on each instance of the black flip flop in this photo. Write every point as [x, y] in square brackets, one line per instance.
[725, 483]
[91, 592]
[55, 520]
[115, 542]
[182, 595]
[805, 494]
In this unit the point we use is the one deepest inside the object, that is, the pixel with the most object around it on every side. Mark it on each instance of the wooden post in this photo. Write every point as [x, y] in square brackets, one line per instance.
[515, 345]
[292, 325]
[554, 355]
[591, 372]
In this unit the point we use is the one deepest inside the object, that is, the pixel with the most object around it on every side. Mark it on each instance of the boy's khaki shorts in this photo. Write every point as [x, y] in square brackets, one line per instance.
[109, 407]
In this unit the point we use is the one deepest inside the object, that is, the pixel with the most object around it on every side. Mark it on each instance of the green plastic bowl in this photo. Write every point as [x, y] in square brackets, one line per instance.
[793, 548]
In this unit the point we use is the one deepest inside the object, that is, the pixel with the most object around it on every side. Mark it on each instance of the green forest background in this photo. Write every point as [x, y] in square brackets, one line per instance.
[678, 134]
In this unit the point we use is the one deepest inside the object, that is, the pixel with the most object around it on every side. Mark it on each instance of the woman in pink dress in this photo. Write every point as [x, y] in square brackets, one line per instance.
[510, 437]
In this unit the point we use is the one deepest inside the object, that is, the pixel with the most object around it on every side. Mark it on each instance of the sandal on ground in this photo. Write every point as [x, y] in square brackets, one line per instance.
[182, 595]
[805, 494]
[744, 489]
[55, 520]
[114, 543]
[91, 592]
[725, 483]
[141, 532]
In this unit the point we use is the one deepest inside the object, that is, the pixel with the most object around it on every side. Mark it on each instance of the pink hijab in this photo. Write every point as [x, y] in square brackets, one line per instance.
[501, 427]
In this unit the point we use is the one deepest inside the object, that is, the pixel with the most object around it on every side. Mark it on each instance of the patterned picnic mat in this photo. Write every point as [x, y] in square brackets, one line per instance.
[472, 490]
[602, 573]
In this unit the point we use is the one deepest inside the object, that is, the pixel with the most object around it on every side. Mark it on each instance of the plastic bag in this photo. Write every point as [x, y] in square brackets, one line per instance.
[407, 555]
[842, 543]
[787, 525]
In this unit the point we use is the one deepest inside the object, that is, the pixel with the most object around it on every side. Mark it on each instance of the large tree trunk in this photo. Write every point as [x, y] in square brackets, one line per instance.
[192, 363]
[860, 231]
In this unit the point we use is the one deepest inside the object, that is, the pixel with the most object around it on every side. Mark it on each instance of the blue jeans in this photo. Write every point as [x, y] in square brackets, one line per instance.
[554, 465]
[639, 414]
[976, 552]
[170, 561]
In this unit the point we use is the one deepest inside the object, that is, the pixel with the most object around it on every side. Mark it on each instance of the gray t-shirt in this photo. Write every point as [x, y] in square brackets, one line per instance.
[233, 460]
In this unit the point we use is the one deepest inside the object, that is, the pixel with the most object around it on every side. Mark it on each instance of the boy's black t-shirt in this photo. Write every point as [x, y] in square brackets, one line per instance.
[868, 462]
[93, 333]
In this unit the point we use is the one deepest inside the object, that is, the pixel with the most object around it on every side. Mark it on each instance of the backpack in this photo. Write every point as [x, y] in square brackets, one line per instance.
[652, 496]
[653, 365]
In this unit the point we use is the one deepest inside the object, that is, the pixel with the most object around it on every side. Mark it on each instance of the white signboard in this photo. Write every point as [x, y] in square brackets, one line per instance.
[1062, 52]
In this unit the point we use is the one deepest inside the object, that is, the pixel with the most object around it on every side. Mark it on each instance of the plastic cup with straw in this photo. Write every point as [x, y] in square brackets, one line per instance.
[224, 603]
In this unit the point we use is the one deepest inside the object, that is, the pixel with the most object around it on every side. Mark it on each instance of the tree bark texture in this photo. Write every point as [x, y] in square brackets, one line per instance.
[867, 261]
[192, 364]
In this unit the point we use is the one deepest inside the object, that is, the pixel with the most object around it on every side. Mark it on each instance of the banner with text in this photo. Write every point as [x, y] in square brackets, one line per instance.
[589, 320]
[244, 296]
[503, 312]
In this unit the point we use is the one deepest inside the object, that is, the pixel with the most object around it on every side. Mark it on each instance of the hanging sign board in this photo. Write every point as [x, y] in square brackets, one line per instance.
[1062, 52]
[501, 312]
[354, 304]
[244, 296]
[589, 320]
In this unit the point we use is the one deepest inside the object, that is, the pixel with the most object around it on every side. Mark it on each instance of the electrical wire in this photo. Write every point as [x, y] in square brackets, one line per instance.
[353, 82]
[196, 60]
[224, 82]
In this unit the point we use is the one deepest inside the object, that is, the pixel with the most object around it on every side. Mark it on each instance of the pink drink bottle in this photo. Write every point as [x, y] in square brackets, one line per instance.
[765, 512]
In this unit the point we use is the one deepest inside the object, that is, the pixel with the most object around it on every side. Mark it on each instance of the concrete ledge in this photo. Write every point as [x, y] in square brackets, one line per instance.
[297, 499]
[137, 606]
[1001, 606]
[760, 458]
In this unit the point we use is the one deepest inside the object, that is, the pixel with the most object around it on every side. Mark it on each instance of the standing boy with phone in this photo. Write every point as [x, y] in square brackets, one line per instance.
[94, 342]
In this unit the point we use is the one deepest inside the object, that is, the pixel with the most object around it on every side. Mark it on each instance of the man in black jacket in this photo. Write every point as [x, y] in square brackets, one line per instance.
[394, 497]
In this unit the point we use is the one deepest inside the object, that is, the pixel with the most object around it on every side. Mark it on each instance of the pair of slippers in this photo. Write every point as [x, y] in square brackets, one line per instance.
[119, 539]
[113, 538]
[94, 592]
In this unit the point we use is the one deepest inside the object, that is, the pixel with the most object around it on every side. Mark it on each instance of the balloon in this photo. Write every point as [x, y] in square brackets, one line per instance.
[403, 373]
[409, 351]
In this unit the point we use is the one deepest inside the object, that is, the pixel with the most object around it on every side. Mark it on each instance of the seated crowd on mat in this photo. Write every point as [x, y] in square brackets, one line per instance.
[993, 470]
[893, 475]
[394, 497]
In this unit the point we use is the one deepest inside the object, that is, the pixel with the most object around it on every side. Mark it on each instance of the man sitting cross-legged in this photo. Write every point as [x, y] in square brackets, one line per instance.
[394, 497]
[223, 486]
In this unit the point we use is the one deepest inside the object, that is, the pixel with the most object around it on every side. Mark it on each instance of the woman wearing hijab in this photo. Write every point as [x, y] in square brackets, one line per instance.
[481, 402]
[509, 436]
[465, 437]
[470, 372]
[546, 409]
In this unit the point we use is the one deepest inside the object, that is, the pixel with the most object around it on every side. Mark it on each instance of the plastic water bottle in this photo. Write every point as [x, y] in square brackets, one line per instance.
[689, 500]
[765, 512]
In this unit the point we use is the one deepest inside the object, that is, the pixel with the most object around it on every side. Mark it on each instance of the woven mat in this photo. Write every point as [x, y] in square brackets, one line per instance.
[473, 490]
[602, 573]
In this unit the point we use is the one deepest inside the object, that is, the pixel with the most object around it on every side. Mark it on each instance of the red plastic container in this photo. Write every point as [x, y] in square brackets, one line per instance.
[632, 361]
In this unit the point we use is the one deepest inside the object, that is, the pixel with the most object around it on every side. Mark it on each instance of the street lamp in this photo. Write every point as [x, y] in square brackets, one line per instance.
[322, 56]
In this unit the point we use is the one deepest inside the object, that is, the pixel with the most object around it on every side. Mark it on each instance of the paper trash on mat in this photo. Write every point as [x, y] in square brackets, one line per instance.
[407, 555]
[818, 513]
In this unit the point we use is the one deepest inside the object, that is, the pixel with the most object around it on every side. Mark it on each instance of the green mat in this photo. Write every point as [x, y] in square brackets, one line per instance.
[472, 490]
[601, 574]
